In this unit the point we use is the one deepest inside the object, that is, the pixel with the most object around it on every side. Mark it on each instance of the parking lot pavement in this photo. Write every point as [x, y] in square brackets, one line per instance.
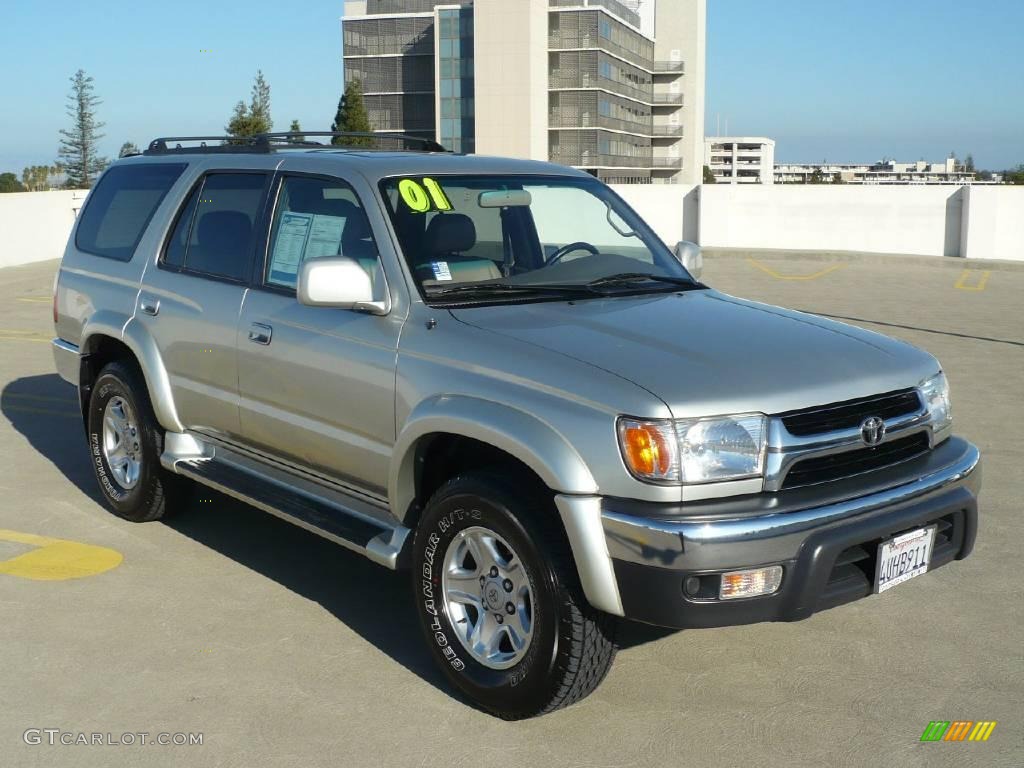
[282, 649]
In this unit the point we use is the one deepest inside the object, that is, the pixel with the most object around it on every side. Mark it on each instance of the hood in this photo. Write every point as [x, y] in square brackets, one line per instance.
[704, 353]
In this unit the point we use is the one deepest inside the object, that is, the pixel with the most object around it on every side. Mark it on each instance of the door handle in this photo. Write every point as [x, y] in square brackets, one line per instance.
[260, 333]
[149, 305]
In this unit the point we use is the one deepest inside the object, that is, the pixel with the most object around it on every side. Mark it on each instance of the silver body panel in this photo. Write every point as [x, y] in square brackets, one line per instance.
[342, 399]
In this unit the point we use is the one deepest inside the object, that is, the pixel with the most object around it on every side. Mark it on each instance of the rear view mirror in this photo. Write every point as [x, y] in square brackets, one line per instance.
[504, 198]
[690, 256]
[337, 282]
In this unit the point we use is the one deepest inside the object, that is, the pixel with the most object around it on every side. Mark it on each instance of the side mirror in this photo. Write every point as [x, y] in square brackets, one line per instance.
[337, 282]
[690, 257]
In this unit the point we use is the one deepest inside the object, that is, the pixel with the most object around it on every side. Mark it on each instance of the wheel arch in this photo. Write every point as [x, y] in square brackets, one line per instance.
[500, 429]
[107, 337]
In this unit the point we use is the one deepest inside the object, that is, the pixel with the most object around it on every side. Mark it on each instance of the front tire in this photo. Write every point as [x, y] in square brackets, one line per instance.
[125, 443]
[499, 600]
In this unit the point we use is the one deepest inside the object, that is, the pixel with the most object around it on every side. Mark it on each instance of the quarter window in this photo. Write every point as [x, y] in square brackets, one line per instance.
[120, 207]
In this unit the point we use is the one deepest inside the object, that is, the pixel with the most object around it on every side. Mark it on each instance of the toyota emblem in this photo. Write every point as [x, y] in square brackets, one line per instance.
[872, 430]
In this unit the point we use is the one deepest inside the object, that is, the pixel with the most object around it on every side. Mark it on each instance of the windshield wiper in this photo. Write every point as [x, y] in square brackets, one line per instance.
[632, 278]
[487, 290]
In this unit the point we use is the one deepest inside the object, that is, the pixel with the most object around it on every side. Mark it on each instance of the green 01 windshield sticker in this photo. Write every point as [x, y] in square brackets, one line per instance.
[423, 195]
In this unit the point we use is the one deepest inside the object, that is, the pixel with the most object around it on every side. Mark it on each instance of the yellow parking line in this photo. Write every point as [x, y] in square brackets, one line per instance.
[43, 411]
[6, 335]
[56, 559]
[965, 276]
[769, 271]
[41, 398]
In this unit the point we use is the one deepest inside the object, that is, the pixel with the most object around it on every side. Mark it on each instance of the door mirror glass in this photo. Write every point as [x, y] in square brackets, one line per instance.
[690, 256]
[337, 282]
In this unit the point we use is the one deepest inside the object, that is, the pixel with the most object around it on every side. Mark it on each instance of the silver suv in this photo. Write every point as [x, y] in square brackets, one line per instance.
[491, 372]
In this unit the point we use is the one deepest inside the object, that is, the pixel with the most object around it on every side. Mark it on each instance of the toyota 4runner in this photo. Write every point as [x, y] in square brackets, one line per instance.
[492, 373]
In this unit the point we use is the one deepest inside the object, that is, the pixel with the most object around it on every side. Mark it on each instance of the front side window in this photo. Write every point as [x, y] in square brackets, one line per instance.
[120, 207]
[213, 234]
[318, 218]
[489, 237]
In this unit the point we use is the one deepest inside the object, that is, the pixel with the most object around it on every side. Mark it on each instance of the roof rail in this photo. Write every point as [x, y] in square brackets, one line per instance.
[268, 142]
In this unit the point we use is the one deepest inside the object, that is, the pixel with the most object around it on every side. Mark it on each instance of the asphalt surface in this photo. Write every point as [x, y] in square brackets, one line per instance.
[282, 649]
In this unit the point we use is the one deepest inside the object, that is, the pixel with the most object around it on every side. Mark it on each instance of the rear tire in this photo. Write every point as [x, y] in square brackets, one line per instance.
[567, 647]
[125, 443]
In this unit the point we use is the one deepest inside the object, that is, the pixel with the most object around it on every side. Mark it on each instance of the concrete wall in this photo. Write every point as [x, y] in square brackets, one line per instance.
[973, 222]
[976, 222]
[34, 226]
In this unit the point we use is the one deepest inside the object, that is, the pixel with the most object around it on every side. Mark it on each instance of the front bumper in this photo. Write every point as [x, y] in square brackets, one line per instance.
[826, 539]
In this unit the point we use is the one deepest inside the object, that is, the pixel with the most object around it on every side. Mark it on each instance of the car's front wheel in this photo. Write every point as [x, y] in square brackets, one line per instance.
[499, 599]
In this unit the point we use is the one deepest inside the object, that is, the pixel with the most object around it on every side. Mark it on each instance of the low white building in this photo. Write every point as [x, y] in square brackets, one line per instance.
[740, 159]
[883, 172]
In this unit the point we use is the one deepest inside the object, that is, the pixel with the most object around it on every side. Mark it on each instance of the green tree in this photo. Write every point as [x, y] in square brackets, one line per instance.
[1016, 176]
[296, 129]
[37, 177]
[352, 117]
[128, 148]
[254, 118]
[969, 163]
[837, 178]
[709, 177]
[816, 177]
[9, 183]
[78, 151]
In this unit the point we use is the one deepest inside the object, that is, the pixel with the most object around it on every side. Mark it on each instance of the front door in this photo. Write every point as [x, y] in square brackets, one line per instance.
[317, 384]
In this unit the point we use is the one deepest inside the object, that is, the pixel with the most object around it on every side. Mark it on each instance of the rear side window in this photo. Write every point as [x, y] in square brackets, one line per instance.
[120, 207]
[213, 234]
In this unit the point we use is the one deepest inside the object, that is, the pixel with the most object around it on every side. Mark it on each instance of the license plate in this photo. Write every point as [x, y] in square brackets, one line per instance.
[903, 557]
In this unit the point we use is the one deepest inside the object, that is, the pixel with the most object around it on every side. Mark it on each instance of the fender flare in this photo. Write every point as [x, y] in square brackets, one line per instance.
[518, 433]
[135, 336]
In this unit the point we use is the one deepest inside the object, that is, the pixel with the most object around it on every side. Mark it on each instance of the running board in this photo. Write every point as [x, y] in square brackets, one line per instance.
[325, 515]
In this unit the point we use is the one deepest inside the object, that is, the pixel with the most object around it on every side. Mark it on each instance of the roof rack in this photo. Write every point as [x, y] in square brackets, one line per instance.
[269, 142]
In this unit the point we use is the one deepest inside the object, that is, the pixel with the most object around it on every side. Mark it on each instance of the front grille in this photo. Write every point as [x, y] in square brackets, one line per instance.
[822, 469]
[851, 413]
[853, 574]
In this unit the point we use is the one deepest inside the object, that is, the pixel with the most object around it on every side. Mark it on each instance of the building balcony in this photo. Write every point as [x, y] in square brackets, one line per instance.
[666, 162]
[614, 7]
[667, 99]
[667, 131]
[557, 82]
[595, 160]
[668, 67]
[557, 120]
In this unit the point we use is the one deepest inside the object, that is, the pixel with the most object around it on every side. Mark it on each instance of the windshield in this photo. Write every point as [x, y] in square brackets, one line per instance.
[489, 237]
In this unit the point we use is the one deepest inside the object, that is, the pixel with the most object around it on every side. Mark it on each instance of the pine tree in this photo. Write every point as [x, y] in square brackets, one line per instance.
[352, 117]
[78, 151]
[296, 129]
[254, 118]
[128, 148]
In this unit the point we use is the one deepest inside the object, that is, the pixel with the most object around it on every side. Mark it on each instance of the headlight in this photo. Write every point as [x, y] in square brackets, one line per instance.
[693, 451]
[935, 393]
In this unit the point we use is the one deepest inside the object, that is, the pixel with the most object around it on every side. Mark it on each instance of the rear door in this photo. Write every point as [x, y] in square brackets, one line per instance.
[317, 384]
[190, 302]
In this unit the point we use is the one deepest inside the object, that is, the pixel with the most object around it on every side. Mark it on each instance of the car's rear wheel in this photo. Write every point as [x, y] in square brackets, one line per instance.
[125, 443]
[499, 599]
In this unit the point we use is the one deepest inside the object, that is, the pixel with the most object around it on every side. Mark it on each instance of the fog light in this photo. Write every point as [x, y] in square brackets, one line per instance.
[757, 581]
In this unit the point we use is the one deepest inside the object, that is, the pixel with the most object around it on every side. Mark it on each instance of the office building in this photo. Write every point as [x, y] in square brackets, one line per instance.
[740, 159]
[585, 83]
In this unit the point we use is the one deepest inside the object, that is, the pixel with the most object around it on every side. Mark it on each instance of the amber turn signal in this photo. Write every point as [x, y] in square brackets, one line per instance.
[649, 449]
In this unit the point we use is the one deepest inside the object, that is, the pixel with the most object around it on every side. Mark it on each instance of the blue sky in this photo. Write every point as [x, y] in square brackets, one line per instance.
[828, 79]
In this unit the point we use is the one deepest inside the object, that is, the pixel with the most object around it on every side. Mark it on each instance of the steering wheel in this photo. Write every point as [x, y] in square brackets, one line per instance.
[565, 250]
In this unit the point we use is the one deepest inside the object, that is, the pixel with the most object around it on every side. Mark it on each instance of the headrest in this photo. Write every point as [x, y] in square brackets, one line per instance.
[450, 233]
